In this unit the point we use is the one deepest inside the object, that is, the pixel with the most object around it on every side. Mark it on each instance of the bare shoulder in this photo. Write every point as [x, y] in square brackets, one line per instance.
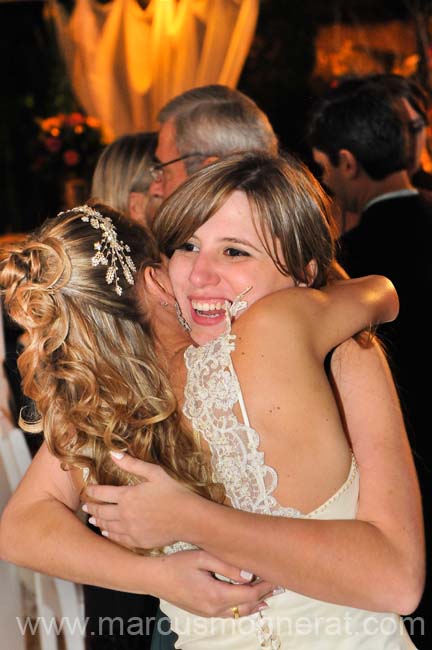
[287, 310]
[290, 304]
[274, 328]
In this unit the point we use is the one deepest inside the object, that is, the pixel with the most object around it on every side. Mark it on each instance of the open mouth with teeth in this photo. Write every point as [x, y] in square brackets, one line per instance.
[210, 310]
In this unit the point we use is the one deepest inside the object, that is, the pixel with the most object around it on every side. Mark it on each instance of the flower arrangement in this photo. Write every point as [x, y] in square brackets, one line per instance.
[67, 146]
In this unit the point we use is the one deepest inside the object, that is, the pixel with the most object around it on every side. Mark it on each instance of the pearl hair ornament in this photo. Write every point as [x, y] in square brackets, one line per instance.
[110, 251]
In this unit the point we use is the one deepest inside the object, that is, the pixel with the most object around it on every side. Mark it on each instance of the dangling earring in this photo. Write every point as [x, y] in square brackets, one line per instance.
[238, 304]
[181, 318]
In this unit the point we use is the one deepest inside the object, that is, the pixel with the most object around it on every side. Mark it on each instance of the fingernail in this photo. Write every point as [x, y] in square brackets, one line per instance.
[84, 507]
[105, 533]
[92, 521]
[117, 454]
[262, 606]
[247, 575]
[277, 591]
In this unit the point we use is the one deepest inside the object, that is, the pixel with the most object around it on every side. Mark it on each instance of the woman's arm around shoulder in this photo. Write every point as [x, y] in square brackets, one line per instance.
[389, 492]
[323, 318]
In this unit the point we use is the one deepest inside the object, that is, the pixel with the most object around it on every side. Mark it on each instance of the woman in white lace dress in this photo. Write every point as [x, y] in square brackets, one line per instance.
[374, 561]
[336, 465]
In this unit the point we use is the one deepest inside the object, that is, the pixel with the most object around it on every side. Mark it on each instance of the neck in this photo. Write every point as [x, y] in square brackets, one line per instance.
[391, 183]
[171, 340]
[170, 343]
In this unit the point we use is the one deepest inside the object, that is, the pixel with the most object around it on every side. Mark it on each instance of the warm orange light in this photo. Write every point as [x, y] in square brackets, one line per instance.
[55, 132]
[93, 122]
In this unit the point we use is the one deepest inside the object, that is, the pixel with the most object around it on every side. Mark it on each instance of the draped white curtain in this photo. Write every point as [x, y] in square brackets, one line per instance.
[126, 62]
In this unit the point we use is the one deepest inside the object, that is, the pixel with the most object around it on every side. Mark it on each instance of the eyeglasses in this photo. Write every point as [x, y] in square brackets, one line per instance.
[156, 171]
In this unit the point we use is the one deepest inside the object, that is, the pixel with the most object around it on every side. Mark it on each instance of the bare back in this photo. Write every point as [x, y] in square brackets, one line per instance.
[290, 403]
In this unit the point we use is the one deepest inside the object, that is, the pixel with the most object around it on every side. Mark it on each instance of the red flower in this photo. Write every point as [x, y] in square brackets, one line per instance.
[67, 145]
[52, 144]
[71, 157]
[74, 118]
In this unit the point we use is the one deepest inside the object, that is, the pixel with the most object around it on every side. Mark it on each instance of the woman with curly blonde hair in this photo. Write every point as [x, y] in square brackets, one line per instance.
[97, 373]
[93, 368]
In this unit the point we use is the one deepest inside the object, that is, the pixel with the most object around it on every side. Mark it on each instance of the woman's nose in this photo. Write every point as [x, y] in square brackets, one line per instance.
[204, 272]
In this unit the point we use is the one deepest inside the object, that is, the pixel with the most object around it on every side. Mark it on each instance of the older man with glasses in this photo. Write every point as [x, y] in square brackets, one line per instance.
[158, 171]
[201, 125]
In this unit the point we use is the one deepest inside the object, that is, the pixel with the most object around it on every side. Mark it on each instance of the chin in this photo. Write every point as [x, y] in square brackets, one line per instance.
[201, 337]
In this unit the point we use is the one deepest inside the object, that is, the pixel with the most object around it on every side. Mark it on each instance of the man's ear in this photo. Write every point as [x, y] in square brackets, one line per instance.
[158, 285]
[348, 164]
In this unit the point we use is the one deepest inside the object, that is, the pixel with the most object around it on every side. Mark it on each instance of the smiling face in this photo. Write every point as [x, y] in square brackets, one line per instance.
[223, 258]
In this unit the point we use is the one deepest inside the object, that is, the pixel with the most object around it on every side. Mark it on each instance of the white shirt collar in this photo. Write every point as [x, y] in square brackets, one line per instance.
[390, 195]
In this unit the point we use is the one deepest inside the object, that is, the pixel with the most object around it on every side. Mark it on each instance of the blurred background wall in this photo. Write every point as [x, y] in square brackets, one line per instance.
[72, 58]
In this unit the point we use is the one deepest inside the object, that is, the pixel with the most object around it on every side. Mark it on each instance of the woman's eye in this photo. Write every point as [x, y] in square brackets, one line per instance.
[235, 252]
[188, 246]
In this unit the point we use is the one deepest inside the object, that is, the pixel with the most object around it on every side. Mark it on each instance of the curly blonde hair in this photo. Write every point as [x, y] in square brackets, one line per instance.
[88, 362]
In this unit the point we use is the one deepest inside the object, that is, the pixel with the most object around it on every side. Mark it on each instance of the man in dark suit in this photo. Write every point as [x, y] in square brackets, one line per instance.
[361, 140]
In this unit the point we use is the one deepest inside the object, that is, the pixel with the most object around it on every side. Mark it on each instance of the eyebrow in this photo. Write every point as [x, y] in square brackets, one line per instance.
[234, 240]
[244, 242]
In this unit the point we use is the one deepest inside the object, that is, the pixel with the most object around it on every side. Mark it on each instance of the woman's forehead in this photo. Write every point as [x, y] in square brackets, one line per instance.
[234, 213]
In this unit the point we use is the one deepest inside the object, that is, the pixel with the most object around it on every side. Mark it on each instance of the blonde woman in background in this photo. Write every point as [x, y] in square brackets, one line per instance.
[121, 178]
[94, 370]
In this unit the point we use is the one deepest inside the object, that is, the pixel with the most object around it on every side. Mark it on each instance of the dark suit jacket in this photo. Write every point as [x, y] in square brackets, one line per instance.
[394, 238]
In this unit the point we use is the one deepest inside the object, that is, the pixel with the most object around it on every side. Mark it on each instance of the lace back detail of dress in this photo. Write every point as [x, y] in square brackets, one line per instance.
[212, 390]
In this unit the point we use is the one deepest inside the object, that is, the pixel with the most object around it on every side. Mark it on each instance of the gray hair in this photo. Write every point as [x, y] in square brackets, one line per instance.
[216, 120]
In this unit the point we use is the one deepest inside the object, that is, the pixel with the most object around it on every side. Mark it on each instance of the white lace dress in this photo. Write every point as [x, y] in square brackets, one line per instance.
[292, 621]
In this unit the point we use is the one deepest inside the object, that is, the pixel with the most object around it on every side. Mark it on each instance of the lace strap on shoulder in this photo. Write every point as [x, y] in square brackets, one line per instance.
[211, 393]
